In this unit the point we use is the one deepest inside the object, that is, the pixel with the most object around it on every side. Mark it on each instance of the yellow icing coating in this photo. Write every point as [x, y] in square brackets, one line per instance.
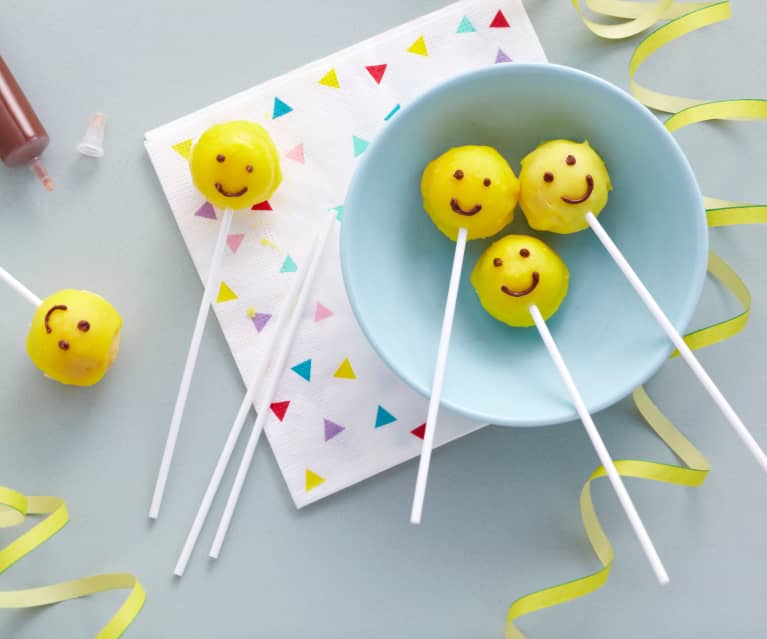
[547, 176]
[83, 341]
[458, 178]
[235, 165]
[511, 263]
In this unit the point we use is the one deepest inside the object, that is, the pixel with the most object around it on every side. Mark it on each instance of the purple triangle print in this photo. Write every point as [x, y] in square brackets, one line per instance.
[332, 429]
[206, 211]
[501, 56]
[260, 320]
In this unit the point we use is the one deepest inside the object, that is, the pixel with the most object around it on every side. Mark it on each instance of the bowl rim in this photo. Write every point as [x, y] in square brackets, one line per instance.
[694, 293]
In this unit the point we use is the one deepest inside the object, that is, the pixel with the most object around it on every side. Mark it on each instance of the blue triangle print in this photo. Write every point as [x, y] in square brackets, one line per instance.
[384, 417]
[304, 369]
[466, 26]
[280, 109]
[359, 146]
[288, 266]
[339, 211]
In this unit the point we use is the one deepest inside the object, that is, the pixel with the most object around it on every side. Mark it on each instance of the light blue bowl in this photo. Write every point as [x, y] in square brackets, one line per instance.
[396, 264]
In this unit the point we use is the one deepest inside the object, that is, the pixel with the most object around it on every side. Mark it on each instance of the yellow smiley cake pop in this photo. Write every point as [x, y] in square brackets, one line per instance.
[560, 182]
[74, 337]
[515, 272]
[470, 187]
[235, 165]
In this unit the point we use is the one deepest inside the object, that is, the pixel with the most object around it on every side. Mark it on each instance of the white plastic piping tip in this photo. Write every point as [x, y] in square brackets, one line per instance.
[92, 144]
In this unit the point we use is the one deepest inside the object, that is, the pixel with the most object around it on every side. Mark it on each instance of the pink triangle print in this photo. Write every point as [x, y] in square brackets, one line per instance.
[234, 241]
[322, 312]
[296, 153]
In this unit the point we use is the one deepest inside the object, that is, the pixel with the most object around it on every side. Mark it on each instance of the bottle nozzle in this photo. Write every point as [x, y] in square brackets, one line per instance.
[38, 168]
[92, 143]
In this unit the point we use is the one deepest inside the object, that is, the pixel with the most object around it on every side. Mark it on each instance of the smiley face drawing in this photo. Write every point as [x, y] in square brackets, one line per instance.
[75, 337]
[235, 165]
[515, 272]
[471, 187]
[560, 182]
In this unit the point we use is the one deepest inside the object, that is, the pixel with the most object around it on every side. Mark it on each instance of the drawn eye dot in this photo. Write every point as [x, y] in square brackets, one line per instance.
[84, 326]
[497, 262]
[524, 252]
[487, 182]
[570, 160]
[249, 168]
[63, 345]
[220, 157]
[458, 175]
[548, 177]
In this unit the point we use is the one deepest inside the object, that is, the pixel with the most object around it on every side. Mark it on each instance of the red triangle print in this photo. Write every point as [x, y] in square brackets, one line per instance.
[500, 21]
[262, 206]
[419, 431]
[279, 409]
[377, 71]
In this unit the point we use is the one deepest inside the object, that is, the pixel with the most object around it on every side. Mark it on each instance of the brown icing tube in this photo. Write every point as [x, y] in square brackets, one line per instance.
[23, 137]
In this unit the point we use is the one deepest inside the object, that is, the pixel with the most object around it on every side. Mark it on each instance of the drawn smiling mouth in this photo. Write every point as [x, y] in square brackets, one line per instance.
[585, 196]
[226, 193]
[527, 291]
[457, 208]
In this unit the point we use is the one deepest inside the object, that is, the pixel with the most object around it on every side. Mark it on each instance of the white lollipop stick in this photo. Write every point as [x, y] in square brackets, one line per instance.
[729, 413]
[439, 378]
[266, 399]
[191, 361]
[19, 288]
[600, 448]
[285, 311]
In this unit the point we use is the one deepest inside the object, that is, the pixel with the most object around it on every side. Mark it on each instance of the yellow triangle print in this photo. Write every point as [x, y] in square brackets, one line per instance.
[345, 370]
[330, 79]
[313, 480]
[419, 47]
[184, 149]
[225, 294]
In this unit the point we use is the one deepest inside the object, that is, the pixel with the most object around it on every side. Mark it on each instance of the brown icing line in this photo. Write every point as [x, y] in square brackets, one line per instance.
[51, 310]
[527, 291]
[585, 196]
[457, 208]
[226, 193]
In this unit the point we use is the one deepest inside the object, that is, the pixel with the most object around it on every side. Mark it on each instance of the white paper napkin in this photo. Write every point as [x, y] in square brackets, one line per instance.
[340, 415]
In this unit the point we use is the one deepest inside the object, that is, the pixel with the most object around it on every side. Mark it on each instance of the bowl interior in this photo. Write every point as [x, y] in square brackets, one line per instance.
[396, 264]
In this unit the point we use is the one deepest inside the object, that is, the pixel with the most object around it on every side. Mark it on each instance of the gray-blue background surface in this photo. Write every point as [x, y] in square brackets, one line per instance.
[501, 517]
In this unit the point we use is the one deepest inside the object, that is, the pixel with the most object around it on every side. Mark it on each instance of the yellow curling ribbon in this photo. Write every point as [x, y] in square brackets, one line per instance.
[684, 17]
[14, 509]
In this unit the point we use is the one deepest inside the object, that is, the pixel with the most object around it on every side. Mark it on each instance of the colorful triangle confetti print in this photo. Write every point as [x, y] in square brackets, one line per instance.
[234, 241]
[262, 206]
[499, 21]
[384, 417]
[391, 113]
[360, 145]
[501, 56]
[296, 153]
[345, 370]
[465, 26]
[330, 79]
[280, 108]
[332, 429]
[419, 431]
[304, 369]
[279, 409]
[225, 294]
[321, 312]
[339, 211]
[377, 71]
[207, 211]
[260, 320]
[288, 266]
[184, 149]
[419, 47]
[313, 480]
